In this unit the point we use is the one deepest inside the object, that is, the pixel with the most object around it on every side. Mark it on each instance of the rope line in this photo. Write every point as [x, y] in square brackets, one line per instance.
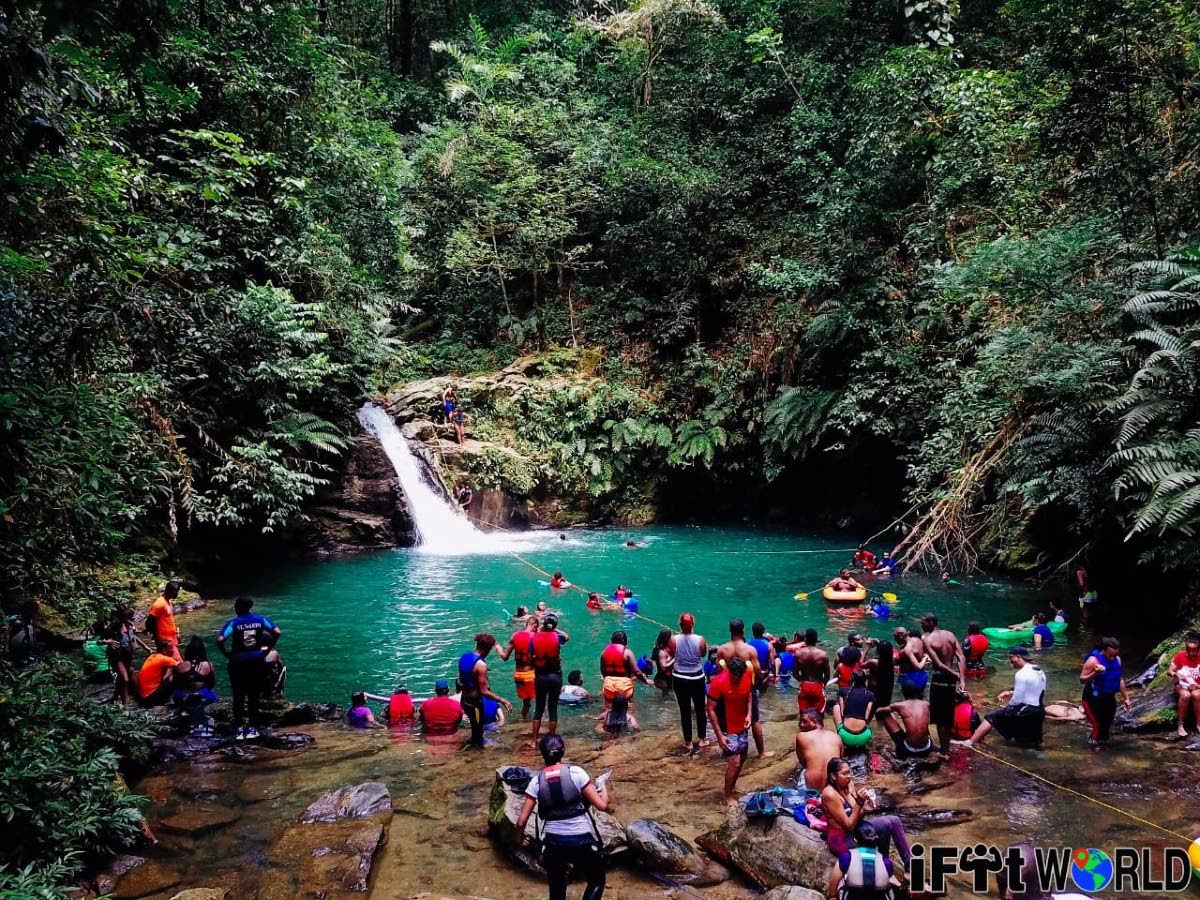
[1088, 797]
[778, 552]
[984, 753]
[583, 590]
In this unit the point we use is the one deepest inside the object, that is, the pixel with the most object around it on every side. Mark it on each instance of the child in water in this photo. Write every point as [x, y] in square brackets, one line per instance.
[359, 715]
[617, 718]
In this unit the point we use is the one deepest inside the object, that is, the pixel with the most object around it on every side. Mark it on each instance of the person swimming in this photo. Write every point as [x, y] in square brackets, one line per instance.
[558, 582]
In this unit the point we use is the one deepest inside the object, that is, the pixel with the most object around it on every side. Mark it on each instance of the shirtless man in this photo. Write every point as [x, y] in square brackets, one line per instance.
[908, 723]
[912, 659]
[949, 676]
[843, 582]
[811, 665]
[737, 648]
[815, 747]
[523, 674]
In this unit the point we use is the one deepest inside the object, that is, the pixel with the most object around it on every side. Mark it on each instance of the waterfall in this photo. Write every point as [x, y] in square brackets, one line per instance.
[440, 529]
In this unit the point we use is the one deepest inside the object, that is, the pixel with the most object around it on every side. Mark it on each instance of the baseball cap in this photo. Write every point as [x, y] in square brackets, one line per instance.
[1020, 651]
[442, 685]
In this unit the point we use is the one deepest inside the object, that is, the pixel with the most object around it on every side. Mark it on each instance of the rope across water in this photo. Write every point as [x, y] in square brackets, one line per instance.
[1061, 787]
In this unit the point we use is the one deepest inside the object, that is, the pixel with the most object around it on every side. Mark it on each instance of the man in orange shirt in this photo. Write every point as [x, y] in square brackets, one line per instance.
[154, 678]
[160, 623]
[729, 697]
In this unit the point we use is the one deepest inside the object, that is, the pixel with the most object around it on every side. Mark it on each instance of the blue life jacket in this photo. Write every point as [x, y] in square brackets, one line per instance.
[787, 662]
[466, 669]
[763, 649]
[1108, 681]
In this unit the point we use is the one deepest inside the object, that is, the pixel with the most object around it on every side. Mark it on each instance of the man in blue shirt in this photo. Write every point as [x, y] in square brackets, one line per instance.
[246, 640]
[1043, 637]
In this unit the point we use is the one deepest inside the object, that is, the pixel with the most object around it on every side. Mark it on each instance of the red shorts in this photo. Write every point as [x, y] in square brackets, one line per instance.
[811, 696]
[524, 682]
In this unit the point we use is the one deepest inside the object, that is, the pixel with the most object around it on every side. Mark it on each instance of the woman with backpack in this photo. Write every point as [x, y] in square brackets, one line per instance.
[564, 796]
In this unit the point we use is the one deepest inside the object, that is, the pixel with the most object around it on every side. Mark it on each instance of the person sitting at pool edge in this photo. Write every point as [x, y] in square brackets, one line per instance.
[1185, 669]
[843, 583]
[852, 715]
[908, 723]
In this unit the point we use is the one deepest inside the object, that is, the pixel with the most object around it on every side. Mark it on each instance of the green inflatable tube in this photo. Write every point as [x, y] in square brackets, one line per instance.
[1016, 635]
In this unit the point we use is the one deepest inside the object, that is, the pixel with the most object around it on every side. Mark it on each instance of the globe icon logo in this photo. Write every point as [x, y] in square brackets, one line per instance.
[1091, 869]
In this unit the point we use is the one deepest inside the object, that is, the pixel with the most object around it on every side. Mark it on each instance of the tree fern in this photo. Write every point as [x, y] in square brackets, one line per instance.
[1157, 455]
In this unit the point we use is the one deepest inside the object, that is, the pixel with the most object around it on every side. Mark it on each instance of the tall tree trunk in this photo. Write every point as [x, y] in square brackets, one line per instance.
[322, 16]
[406, 38]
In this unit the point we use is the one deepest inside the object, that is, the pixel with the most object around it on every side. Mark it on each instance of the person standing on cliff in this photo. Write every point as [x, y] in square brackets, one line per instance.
[449, 401]
[473, 677]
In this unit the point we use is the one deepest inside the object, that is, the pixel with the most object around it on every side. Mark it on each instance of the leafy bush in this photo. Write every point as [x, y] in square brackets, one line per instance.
[62, 801]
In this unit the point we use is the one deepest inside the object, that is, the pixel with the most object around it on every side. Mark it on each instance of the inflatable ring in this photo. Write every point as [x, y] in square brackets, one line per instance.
[832, 596]
[1016, 635]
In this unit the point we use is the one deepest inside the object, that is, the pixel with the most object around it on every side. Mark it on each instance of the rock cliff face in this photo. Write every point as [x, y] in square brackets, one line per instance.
[363, 509]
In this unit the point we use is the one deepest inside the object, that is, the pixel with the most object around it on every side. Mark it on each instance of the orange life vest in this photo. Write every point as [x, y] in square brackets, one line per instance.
[520, 642]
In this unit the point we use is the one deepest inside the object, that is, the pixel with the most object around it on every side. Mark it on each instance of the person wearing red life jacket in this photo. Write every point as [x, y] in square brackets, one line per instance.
[975, 646]
[545, 649]
[523, 675]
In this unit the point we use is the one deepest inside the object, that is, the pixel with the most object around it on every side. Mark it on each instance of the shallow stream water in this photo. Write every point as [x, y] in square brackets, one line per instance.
[370, 622]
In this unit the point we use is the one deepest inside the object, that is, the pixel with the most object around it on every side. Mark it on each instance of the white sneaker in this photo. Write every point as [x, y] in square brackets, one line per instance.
[251, 734]
[239, 735]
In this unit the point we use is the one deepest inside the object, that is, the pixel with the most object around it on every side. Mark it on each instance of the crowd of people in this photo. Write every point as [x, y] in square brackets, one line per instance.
[911, 691]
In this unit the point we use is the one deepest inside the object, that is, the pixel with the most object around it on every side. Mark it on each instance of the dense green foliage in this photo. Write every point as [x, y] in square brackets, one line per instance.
[900, 245]
[63, 802]
[817, 228]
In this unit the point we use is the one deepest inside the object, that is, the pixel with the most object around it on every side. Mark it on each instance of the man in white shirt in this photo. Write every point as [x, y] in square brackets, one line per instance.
[1022, 718]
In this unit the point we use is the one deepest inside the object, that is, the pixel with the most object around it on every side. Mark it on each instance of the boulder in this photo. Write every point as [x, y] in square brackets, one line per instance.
[307, 713]
[771, 852]
[1152, 709]
[322, 860]
[792, 892]
[504, 808]
[151, 877]
[202, 893]
[198, 818]
[419, 430]
[661, 851]
[176, 749]
[369, 800]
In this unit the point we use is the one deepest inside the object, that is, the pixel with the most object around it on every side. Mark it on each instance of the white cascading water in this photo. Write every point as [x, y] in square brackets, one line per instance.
[439, 528]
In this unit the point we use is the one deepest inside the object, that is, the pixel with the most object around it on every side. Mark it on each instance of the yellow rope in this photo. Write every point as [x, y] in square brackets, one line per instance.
[984, 753]
[780, 552]
[583, 590]
[1088, 797]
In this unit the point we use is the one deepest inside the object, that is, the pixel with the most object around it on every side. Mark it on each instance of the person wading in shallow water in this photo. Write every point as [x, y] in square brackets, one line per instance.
[949, 676]
[472, 673]
[518, 645]
[545, 648]
[737, 648]
[687, 678]
[729, 701]
[564, 796]
[1102, 680]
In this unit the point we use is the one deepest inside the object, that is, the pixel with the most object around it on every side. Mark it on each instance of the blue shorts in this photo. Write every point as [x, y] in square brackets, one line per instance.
[738, 744]
[920, 679]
